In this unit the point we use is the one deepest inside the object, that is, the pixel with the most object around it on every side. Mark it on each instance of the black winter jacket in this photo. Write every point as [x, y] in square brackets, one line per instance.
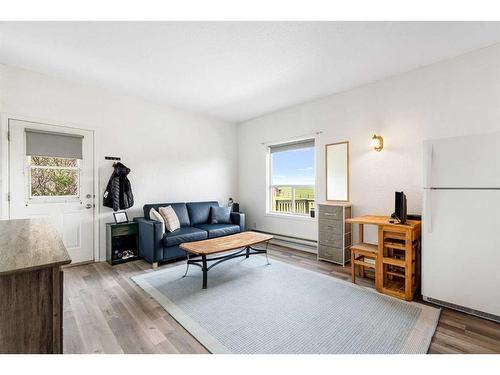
[118, 194]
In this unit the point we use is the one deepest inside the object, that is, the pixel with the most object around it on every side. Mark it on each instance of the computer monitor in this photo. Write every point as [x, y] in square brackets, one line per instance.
[400, 206]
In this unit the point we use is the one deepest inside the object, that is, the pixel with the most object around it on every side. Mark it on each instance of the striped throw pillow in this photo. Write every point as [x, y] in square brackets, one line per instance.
[170, 217]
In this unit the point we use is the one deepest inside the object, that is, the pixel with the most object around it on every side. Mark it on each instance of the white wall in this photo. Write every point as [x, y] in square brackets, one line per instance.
[174, 156]
[455, 97]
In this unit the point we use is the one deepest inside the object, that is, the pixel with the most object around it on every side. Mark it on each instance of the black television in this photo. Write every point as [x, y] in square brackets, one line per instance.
[400, 207]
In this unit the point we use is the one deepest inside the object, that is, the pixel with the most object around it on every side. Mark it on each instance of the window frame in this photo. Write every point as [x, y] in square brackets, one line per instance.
[271, 186]
[51, 198]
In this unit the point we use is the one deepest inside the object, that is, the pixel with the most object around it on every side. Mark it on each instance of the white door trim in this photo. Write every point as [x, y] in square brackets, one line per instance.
[5, 162]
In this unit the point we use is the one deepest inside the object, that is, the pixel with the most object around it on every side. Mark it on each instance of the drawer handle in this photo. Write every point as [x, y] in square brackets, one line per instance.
[329, 214]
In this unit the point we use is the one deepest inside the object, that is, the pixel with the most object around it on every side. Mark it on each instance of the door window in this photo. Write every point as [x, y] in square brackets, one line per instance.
[53, 177]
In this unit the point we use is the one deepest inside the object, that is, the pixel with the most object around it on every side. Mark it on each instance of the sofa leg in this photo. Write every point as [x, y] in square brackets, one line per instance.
[154, 265]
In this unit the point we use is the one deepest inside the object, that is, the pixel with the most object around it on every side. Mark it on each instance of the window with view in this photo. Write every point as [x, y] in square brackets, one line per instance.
[292, 178]
[53, 177]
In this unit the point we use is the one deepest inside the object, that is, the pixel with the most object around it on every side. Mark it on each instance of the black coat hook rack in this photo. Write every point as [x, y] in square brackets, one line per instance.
[112, 158]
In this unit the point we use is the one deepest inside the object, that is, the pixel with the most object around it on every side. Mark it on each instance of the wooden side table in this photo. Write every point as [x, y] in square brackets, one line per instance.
[122, 242]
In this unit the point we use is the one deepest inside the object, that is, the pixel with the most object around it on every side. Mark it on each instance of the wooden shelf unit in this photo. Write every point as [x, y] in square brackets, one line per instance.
[400, 263]
[398, 266]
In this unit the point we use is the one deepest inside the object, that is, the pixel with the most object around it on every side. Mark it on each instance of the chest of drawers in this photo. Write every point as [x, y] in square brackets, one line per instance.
[334, 234]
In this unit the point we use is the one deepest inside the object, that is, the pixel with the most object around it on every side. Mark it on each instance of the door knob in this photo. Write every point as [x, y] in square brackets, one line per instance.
[88, 206]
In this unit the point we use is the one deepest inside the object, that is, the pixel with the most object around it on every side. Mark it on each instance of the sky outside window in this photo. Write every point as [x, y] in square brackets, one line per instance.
[293, 167]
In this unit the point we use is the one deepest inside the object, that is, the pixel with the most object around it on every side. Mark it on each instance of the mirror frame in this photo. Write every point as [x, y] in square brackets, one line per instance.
[326, 172]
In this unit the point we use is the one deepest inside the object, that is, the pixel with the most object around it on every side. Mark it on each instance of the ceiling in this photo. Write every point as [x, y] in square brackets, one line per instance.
[234, 71]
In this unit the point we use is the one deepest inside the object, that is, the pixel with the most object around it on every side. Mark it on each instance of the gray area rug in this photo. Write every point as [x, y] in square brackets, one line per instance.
[251, 307]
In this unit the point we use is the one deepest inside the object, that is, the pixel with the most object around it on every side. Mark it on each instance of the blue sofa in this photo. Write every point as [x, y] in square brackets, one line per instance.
[194, 218]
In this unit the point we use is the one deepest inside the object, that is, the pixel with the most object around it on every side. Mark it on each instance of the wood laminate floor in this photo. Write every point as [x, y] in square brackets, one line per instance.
[105, 312]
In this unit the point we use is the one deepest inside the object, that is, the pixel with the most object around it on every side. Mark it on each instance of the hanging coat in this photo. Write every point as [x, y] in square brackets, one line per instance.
[118, 194]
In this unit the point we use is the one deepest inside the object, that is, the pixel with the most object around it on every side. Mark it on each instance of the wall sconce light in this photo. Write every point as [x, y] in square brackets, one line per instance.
[377, 142]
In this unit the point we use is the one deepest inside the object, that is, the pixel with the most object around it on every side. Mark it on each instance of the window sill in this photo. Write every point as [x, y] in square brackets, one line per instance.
[290, 217]
[55, 199]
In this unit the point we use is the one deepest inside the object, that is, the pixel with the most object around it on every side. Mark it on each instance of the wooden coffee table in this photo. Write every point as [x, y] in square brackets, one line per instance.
[242, 242]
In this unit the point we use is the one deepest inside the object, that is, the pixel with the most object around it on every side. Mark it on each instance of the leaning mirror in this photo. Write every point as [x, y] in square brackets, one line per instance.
[337, 171]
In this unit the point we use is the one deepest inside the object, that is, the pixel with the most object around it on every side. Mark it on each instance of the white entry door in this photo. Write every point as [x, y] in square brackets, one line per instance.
[51, 175]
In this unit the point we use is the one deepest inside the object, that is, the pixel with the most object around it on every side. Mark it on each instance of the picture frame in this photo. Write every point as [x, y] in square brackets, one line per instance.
[120, 217]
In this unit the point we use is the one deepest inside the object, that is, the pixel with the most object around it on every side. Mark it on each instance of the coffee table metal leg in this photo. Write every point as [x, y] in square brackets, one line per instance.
[205, 270]
[248, 252]
[187, 264]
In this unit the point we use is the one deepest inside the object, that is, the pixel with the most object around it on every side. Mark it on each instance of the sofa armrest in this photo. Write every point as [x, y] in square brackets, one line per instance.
[238, 218]
[150, 239]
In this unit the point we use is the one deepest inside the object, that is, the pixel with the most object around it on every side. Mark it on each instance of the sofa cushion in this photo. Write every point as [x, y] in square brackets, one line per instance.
[220, 215]
[179, 208]
[184, 234]
[199, 212]
[170, 218]
[155, 215]
[218, 230]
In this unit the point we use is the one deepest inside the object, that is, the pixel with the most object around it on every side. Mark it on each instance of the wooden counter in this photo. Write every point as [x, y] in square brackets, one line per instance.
[385, 220]
[31, 286]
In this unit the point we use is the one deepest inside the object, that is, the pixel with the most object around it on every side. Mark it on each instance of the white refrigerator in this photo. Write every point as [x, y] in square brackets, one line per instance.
[461, 224]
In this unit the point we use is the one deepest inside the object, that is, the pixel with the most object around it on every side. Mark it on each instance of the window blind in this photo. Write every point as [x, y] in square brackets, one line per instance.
[295, 145]
[52, 144]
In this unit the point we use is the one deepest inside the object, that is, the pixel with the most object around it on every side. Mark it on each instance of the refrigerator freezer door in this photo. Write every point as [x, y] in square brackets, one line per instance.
[461, 255]
[463, 162]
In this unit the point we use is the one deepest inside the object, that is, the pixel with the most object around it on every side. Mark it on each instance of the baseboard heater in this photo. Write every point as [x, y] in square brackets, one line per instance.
[298, 243]
[466, 310]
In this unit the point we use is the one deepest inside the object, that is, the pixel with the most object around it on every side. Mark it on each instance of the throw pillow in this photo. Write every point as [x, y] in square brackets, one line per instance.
[155, 215]
[170, 217]
[220, 215]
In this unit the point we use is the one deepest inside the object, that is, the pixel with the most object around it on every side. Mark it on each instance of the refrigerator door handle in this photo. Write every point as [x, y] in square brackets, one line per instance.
[428, 155]
[428, 210]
